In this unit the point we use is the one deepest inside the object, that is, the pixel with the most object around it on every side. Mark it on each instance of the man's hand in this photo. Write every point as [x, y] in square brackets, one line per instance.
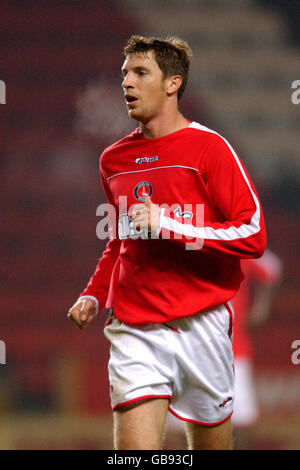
[83, 312]
[147, 216]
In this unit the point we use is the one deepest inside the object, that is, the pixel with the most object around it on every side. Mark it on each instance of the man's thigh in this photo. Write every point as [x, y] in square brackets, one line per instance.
[217, 437]
[203, 385]
[140, 426]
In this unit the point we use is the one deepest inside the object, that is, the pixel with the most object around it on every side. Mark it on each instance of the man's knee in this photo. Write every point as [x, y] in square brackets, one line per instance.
[140, 425]
[218, 437]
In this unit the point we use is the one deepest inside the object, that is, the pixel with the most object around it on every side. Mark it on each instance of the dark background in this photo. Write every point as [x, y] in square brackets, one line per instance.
[60, 61]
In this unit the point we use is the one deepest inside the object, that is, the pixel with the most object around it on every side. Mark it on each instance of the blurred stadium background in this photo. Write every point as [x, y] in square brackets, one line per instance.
[60, 61]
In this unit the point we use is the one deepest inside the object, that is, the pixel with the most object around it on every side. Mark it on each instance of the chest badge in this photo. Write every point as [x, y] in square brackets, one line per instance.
[142, 191]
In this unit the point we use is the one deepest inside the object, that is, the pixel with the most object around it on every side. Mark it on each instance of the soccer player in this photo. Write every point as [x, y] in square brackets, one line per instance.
[187, 213]
[252, 307]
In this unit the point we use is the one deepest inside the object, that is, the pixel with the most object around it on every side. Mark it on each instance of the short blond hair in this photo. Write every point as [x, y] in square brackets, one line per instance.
[173, 55]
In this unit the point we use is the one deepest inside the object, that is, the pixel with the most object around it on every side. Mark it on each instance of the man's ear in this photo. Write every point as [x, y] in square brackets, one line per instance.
[173, 84]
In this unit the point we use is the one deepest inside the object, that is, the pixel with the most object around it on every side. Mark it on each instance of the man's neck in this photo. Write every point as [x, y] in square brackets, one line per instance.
[163, 125]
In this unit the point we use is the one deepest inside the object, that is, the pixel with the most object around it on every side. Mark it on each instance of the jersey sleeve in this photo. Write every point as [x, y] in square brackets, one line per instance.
[241, 230]
[98, 285]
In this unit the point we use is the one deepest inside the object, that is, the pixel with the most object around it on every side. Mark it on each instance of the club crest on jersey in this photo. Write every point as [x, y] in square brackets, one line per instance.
[142, 191]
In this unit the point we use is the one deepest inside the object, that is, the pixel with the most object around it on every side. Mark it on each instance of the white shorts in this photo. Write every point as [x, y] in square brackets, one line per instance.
[245, 403]
[189, 361]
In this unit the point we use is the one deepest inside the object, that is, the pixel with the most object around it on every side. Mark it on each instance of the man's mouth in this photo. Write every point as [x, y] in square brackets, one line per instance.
[130, 99]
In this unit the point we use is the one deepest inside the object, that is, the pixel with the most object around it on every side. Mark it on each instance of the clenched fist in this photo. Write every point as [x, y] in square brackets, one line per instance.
[147, 216]
[83, 312]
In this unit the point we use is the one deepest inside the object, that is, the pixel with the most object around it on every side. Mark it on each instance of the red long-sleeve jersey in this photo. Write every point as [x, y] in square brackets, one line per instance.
[211, 219]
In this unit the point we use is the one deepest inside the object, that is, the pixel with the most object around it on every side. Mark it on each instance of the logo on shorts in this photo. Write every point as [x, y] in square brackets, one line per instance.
[142, 190]
[225, 402]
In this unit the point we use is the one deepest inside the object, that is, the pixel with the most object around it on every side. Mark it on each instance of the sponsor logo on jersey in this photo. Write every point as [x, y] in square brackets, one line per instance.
[142, 191]
[140, 160]
[186, 214]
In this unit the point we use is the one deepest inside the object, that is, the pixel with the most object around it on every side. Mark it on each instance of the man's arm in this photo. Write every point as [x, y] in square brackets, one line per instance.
[242, 232]
[93, 297]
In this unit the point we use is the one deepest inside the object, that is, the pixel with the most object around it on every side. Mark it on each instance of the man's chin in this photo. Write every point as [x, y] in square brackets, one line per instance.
[135, 115]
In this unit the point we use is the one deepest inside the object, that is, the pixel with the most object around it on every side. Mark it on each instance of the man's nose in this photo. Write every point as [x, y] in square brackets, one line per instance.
[128, 82]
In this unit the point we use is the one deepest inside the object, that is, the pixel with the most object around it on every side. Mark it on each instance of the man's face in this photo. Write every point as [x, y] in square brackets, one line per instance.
[144, 86]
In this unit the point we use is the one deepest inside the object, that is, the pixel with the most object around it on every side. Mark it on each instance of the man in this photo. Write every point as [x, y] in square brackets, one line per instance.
[252, 306]
[187, 213]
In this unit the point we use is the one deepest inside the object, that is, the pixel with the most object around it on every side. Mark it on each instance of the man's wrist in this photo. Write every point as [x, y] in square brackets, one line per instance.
[156, 233]
[92, 298]
[162, 212]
